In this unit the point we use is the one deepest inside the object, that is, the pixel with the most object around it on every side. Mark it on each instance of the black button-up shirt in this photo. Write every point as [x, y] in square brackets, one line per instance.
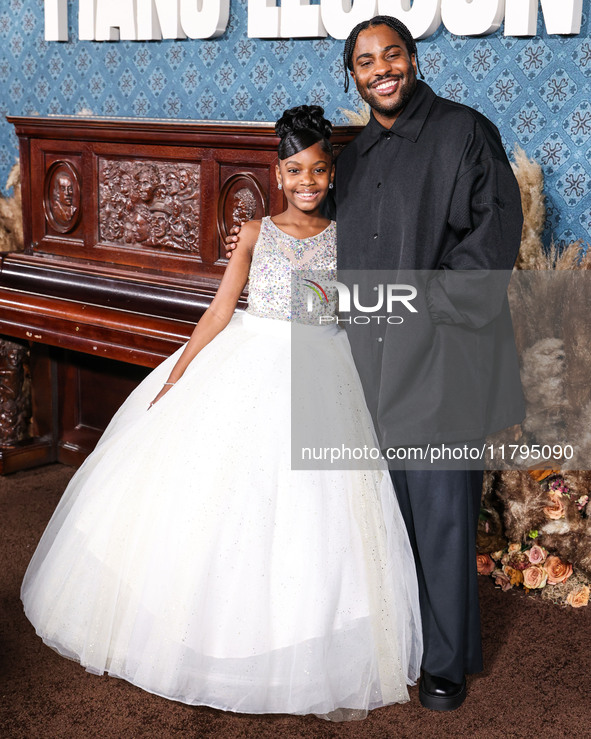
[434, 192]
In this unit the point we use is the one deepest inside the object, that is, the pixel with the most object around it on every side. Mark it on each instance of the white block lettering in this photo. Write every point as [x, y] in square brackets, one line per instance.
[115, 19]
[299, 19]
[158, 19]
[423, 18]
[472, 17]
[263, 19]
[521, 17]
[562, 16]
[204, 18]
[341, 16]
[86, 16]
[56, 20]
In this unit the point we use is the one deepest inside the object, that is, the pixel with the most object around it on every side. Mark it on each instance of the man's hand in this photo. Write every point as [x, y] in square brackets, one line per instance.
[232, 239]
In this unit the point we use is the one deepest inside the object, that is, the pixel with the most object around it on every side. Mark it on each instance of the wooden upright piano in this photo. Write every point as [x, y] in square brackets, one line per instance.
[124, 227]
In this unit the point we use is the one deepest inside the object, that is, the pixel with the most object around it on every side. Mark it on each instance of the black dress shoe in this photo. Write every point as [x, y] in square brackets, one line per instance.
[440, 694]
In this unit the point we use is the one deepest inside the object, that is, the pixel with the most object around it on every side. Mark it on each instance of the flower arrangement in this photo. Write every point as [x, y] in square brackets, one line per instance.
[529, 564]
[532, 567]
[545, 513]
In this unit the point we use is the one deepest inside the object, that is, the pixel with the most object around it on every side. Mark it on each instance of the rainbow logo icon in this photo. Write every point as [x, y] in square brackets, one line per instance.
[317, 290]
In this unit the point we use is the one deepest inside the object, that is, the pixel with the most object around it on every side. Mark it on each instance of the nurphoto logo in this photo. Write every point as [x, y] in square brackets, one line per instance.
[388, 297]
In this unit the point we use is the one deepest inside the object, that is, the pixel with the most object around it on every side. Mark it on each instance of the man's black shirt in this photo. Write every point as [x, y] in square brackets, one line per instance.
[434, 192]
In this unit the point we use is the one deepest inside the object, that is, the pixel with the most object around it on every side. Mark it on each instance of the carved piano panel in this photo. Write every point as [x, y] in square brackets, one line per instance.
[124, 227]
[163, 208]
[147, 204]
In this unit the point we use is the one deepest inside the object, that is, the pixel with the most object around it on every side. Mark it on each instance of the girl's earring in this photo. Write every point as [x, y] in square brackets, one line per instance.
[330, 185]
[279, 186]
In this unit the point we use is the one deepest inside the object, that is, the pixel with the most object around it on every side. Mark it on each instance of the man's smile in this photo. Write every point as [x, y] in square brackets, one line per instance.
[387, 86]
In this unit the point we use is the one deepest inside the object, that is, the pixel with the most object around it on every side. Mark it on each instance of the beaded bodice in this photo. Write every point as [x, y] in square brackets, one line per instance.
[290, 278]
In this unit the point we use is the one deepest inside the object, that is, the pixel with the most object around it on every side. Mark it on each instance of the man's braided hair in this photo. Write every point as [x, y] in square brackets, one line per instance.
[378, 20]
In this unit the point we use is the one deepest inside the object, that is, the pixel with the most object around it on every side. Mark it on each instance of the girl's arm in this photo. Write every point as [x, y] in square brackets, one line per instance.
[219, 313]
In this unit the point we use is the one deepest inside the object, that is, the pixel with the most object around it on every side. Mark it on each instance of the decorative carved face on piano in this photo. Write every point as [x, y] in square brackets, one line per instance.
[65, 191]
[159, 222]
[147, 181]
[62, 198]
[126, 184]
[172, 183]
[140, 227]
[11, 357]
[184, 179]
[245, 206]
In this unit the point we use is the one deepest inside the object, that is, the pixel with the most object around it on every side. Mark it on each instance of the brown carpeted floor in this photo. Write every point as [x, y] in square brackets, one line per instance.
[536, 682]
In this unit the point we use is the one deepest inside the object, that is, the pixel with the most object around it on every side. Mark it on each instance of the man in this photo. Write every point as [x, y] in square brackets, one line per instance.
[427, 186]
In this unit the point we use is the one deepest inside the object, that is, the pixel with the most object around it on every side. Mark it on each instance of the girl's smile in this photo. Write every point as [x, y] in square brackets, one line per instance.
[307, 194]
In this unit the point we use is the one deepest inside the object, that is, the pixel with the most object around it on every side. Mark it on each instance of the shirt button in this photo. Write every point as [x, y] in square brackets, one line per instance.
[380, 339]
[375, 236]
[379, 184]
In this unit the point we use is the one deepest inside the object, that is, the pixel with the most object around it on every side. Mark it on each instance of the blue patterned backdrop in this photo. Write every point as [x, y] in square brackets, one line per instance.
[537, 90]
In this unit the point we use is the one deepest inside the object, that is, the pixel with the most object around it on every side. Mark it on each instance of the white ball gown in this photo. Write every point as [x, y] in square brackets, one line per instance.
[187, 557]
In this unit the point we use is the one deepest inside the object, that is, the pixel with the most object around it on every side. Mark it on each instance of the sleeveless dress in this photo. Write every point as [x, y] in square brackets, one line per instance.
[187, 556]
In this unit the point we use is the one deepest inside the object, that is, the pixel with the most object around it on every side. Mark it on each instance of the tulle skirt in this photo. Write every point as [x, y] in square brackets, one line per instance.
[187, 556]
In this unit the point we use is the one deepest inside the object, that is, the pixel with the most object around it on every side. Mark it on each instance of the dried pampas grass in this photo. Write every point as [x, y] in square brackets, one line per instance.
[11, 217]
[550, 303]
[532, 254]
[531, 186]
[359, 116]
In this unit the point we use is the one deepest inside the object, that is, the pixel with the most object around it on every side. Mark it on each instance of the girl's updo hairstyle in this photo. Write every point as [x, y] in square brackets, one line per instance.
[301, 127]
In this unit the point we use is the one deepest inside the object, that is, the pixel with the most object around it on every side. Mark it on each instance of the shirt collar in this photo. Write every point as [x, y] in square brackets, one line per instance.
[408, 124]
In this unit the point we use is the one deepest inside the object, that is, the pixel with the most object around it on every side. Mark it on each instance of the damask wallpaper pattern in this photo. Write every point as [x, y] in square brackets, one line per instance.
[537, 90]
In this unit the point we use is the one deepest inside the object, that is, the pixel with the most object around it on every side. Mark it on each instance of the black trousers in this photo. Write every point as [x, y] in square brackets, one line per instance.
[440, 509]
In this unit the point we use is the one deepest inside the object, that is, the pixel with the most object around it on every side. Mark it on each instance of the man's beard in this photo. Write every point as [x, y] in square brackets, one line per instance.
[390, 110]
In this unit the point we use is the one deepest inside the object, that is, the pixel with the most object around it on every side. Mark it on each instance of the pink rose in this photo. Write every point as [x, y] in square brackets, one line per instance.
[514, 547]
[536, 554]
[558, 571]
[502, 580]
[534, 577]
[578, 597]
[484, 564]
[556, 509]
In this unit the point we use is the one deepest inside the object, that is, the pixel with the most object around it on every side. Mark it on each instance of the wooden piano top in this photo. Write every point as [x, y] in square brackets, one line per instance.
[124, 222]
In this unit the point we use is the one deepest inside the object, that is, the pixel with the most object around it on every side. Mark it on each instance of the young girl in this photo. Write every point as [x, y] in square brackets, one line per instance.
[187, 557]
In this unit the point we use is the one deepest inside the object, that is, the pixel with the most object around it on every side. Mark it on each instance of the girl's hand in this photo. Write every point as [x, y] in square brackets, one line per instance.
[164, 390]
